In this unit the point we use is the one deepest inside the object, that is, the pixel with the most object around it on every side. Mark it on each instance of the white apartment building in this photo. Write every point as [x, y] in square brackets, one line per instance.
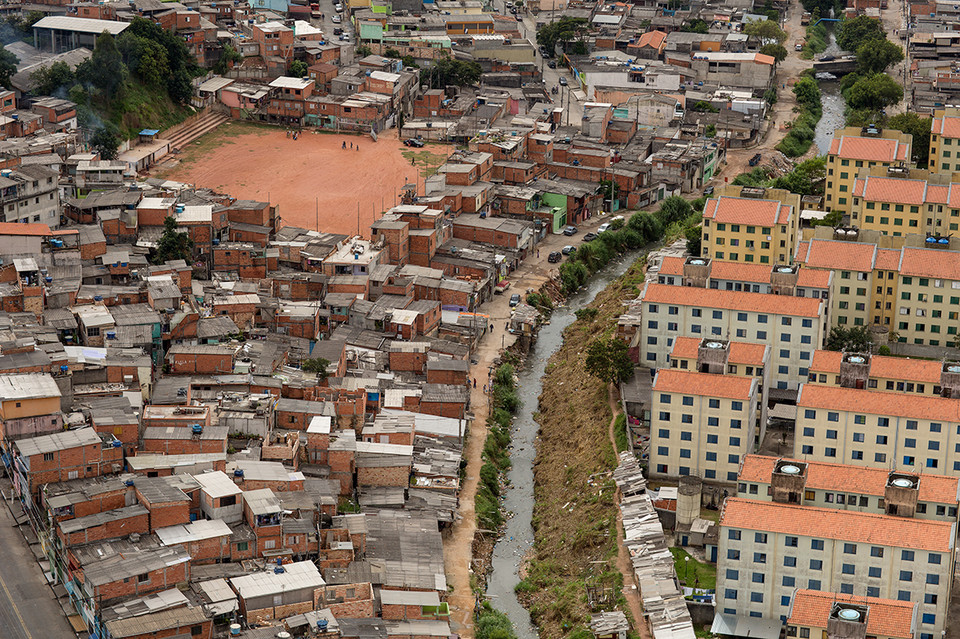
[768, 550]
[702, 424]
[793, 327]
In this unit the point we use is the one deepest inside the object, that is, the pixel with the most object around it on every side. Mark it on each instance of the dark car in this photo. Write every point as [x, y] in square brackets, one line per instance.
[708, 190]
[563, 81]
[514, 299]
[338, 31]
[589, 237]
[552, 64]
[414, 142]
[570, 230]
[555, 257]
[519, 18]
[568, 250]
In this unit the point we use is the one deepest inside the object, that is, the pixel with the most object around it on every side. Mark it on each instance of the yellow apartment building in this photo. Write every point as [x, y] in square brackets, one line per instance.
[945, 140]
[891, 203]
[855, 148]
[702, 424]
[750, 224]
[813, 611]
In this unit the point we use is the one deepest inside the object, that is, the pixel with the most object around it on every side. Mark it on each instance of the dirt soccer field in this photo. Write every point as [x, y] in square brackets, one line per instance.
[261, 163]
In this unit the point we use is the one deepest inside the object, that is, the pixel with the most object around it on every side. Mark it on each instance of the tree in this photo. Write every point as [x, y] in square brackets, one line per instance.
[298, 68]
[831, 219]
[106, 141]
[710, 131]
[695, 26]
[105, 69]
[173, 245]
[8, 66]
[808, 92]
[228, 57]
[853, 33]
[647, 225]
[448, 71]
[768, 31]
[855, 339]
[316, 365]
[48, 80]
[694, 235]
[876, 56]
[563, 31]
[919, 127]
[806, 178]
[363, 51]
[702, 106]
[877, 91]
[608, 359]
[390, 52]
[776, 51]
[674, 209]
[145, 58]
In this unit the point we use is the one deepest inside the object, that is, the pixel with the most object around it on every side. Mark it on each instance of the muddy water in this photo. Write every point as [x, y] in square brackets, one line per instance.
[833, 105]
[517, 539]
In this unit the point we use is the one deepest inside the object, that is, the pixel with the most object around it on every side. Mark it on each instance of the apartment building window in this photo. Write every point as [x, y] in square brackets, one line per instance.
[759, 557]
[934, 558]
[906, 575]
[733, 555]
[733, 575]
[816, 564]
[874, 571]
[734, 535]
[46, 456]
[730, 593]
[903, 595]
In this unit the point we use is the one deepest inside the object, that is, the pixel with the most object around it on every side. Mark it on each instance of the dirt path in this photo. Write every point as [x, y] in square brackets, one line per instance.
[458, 541]
[624, 565]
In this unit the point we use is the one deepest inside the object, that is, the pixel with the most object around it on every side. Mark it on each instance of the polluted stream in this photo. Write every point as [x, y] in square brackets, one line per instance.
[517, 539]
[832, 102]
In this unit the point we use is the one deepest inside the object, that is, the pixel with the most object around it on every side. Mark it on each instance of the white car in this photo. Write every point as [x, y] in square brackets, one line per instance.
[603, 227]
[337, 20]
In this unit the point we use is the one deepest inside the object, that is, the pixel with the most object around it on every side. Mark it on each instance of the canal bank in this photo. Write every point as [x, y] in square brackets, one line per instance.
[582, 511]
[834, 108]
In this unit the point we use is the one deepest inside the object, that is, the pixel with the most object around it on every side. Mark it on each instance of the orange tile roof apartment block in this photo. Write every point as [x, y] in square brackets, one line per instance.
[751, 224]
[701, 424]
[780, 279]
[815, 614]
[898, 201]
[945, 140]
[880, 373]
[849, 487]
[855, 148]
[767, 550]
[918, 433]
[793, 327]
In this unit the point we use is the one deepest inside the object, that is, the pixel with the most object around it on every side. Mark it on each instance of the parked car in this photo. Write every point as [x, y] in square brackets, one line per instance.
[338, 8]
[563, 81]
[568, 250]
[344, 38]
[755, 160]
[337, 31]
[552, 64]
[570, 230]
[708, 190]
[589, 237]
[555, 257]
[414, 142]
[514, 299]
[336, 19]
[603, 228]
[519, 18]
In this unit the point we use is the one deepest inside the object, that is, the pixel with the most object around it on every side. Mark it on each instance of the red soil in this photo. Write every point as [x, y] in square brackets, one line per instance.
[299, 174]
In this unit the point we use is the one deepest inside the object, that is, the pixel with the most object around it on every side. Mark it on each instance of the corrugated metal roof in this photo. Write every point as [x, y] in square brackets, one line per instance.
[81, 25]
[57, 441]
[295, 576]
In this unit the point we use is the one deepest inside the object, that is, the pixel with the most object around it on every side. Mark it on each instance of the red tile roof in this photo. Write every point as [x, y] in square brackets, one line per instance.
[858, 185]
[814, 278]
[838, 255]
[652, 39]
[935, 263]
[861, 480]
[671, 265]
[881, 367]
[740, 352]
[895, 190]
[947, 126]
[740, 210]
[845, 525]
[672, 380]
[740, 271]
[16, 228]
[885, 617]
[732, 300]
[870, 149]
[887, 260]
[878, 403]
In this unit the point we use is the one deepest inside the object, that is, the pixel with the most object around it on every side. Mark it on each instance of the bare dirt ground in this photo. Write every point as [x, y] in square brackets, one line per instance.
[258, 162]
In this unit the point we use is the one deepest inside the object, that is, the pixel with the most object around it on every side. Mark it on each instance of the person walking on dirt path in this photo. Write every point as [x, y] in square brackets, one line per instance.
[351, 145]
[344, 144]
[474, 382]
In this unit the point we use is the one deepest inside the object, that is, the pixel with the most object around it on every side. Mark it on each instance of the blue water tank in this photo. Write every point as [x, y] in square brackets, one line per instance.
[117, 443]
[931, 240]
[196, 428]
[238, 472]
[129, 482]
[279, 570]
[943, 240]
[216, 241]
[98, 298]
[65, 368]
[321, 624]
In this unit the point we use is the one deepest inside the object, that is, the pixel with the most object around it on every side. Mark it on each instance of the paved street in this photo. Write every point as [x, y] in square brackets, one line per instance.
[28, 609]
